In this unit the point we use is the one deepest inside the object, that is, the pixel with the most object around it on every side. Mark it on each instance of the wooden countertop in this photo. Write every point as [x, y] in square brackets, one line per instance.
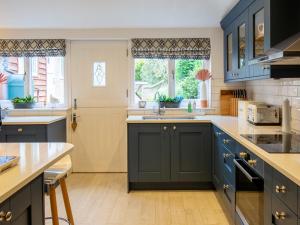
[31, 120]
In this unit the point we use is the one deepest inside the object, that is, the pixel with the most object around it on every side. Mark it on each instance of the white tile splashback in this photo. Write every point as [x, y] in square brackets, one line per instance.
[275, 91]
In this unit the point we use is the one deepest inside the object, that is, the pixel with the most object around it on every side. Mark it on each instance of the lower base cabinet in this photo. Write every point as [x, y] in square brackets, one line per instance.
[167, 156]
[26, 207]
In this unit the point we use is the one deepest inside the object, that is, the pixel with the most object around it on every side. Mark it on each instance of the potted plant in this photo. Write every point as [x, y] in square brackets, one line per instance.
[169, 102]
[27, 102]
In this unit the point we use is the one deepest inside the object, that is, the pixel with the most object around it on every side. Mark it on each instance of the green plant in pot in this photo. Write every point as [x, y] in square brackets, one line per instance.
[27, 102]
[169, 102]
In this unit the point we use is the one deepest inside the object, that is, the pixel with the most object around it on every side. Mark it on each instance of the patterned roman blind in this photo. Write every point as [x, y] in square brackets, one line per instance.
[32, 47]
[171, 48]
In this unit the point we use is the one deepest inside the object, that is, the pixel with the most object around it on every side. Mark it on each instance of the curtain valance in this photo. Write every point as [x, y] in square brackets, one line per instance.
[172, 48]
[32, 47]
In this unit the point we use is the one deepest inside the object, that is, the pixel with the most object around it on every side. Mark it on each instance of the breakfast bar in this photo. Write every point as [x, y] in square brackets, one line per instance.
[22, 186]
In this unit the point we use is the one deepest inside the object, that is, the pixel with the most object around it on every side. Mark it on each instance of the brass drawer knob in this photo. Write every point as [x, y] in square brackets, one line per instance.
[252, 162]
[243, 155]
[225, 186]
[280, 215]
[8, 216]
[2, 216]
[218, 133]
[280, 189]
[20, 129]
[226, 141]
[226, 155]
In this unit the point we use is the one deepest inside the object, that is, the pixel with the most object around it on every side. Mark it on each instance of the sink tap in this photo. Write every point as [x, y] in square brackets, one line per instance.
[160, 111]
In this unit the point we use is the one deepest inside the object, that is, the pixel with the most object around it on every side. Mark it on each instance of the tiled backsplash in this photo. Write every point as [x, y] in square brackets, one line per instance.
[275, 91]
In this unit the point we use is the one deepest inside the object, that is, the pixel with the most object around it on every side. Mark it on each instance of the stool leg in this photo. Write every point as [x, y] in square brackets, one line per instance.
[66, 200]
[53, 204]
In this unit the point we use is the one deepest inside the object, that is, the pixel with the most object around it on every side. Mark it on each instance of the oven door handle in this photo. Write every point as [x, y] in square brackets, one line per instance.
[243, 170]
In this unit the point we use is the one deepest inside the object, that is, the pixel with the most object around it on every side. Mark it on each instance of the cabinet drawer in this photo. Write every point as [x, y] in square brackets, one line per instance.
[229, 195]
[282, 215]
[229, 142]
[25, 133]
[285, 190]
[228, 157]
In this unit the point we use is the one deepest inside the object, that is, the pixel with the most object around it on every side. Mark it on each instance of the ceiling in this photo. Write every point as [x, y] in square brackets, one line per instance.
[113, 13]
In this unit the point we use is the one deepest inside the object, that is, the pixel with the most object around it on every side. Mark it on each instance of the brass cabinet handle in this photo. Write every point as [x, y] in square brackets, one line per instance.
[8, 216]
[2, 216]
[225, 186]
[226, 155]
[174, 127]
[243, 155]
[226, 141]
[218, 133]
[165, 128]
[280, 215]
[280, 189]
[20, 129]
[252, 162]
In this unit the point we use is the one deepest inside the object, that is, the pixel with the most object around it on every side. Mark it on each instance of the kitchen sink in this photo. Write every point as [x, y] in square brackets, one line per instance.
[168, 117]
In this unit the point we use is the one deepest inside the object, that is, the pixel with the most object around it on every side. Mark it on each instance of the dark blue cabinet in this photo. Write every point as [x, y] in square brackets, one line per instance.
[26, 207]
[191, 152]
[167, 156]
[148, 153]
[217, 159]
[257, 26]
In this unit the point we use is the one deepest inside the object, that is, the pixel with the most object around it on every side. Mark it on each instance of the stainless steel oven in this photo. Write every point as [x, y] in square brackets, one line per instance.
[249, 194]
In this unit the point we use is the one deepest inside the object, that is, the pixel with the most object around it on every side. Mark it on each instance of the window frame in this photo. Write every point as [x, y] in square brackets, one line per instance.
[171, 83]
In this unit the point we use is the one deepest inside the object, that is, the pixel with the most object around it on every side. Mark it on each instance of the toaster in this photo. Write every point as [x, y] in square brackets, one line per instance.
[263, 114]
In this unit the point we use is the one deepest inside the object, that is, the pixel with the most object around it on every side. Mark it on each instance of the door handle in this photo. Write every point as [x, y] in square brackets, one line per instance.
[74, 121]
[75, 103]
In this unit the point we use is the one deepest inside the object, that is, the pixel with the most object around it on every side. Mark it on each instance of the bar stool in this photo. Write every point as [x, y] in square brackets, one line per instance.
[53, 177]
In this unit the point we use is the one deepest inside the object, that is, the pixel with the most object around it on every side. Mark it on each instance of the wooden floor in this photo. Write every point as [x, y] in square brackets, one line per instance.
[102, 199]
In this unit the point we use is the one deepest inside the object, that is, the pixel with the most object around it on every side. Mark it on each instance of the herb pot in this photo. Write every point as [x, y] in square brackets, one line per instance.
[24, 105]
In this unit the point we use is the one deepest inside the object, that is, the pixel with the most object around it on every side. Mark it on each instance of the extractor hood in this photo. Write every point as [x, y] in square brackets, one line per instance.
[284, 53]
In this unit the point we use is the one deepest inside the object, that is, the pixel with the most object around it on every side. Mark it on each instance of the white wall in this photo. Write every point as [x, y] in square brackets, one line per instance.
[275, 91]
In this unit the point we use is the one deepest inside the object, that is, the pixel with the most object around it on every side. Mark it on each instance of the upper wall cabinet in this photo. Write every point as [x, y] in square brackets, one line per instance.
[251, 30]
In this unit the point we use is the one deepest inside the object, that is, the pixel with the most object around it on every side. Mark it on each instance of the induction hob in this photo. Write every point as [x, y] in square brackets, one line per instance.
[276, 143]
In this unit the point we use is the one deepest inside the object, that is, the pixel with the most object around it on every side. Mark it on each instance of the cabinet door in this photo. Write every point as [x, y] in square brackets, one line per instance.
[229, 52]
[217, 159]
[242, 45]
[191, 152]
[257, 37]
[148, 153]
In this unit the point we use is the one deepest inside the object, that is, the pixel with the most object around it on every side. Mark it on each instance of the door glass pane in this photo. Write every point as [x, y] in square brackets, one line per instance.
[259, 33]
[242, 45]
[229, 52]
[99, 74]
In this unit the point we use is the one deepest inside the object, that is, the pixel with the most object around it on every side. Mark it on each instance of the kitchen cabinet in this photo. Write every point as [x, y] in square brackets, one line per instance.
[169, 156]
[251, 30]
[149, 153]
[54, 132]
[191, 152]
[26, 207]
[217, 159]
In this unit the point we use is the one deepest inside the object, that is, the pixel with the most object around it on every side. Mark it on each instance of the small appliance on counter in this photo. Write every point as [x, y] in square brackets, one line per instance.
[7, 162]
[263, 114]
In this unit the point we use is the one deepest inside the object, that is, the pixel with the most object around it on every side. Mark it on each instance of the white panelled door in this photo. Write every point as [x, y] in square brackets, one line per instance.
[100, 80]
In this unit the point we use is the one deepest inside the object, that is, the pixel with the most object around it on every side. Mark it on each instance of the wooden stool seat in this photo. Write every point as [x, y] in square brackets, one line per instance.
[53, 177]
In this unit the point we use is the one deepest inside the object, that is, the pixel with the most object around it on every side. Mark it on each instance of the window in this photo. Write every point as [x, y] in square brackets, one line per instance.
[166, 77]
[41, 77]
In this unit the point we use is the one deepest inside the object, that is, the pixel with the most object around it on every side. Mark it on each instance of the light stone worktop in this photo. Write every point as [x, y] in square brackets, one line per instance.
[31, 120]
[287, 164]
[35, 158]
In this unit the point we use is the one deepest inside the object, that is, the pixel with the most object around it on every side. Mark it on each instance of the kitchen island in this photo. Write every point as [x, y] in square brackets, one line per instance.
[21, 189]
